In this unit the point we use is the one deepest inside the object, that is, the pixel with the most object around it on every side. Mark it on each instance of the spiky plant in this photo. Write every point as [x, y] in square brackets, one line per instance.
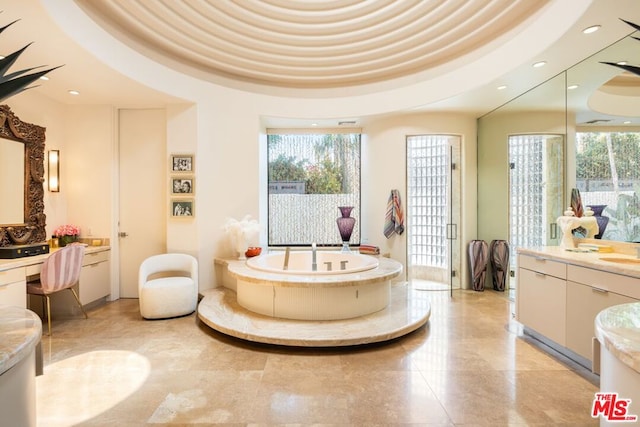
[630, 68]
[17, 81]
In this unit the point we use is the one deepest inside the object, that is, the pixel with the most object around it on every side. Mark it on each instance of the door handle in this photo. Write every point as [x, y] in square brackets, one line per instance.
[123, 234]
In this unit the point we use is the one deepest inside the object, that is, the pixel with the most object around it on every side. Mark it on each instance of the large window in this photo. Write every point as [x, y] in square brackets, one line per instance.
[608, 177]
[309, 177]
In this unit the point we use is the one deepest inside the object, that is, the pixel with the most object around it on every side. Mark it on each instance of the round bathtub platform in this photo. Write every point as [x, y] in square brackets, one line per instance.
[407, 311]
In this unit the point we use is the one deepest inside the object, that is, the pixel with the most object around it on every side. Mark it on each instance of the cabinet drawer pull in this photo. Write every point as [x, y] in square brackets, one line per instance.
[600, 291]
[540, 259]
[540, 275]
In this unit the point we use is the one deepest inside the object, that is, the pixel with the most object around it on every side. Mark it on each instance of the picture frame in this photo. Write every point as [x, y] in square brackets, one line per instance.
[182, 163]
[182, 185]
[182, 208]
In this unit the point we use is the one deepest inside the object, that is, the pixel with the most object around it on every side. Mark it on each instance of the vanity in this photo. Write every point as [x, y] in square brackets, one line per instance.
[94, 285]
[560, 293]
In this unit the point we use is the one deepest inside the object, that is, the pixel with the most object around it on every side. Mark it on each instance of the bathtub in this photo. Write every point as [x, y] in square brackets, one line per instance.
[364, 287]
[300, 263]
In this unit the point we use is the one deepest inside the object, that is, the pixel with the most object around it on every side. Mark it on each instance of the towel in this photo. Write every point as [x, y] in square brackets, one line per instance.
[394, 218]
[369, 249]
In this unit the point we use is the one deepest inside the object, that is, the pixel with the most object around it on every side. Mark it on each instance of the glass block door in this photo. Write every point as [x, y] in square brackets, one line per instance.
[536, 194]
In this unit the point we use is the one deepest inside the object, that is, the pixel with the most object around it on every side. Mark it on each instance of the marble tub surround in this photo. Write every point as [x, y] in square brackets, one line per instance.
[302, 295]
[20, 333]
[407, 311]
[387, 269]
[618, 330]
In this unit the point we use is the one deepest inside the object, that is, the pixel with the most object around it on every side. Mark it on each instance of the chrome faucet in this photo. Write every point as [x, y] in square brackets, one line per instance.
[286, 259]
[314, 263]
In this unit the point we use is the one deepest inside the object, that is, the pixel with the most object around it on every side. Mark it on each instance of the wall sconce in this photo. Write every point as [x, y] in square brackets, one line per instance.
[54, 170]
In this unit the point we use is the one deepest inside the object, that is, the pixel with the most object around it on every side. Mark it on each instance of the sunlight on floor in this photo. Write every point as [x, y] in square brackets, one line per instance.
[93, 383]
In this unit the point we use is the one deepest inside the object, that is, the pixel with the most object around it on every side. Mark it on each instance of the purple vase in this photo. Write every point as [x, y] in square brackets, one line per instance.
[345, 226]
[602, 220]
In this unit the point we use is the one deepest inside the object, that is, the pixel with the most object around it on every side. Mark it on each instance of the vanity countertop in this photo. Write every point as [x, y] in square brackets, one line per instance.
[20, 332]
[596, 260]
[8, 264]
[618, 330]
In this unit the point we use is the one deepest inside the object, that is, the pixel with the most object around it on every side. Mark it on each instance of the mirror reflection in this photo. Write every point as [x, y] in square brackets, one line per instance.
[598, 107]
[12, 181]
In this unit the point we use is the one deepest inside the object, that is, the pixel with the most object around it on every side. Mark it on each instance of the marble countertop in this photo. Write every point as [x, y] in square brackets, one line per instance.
[386, 270]
[8, 264]
[618, 330]
[596, 260]
[20, 332]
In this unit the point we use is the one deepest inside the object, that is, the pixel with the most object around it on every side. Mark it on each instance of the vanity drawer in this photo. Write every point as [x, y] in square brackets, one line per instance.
[12, 276]
[95, 257]
[543, 266]
[611, 282]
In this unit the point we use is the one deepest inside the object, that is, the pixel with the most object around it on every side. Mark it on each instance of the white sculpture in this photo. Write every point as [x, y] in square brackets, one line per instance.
[242, 234]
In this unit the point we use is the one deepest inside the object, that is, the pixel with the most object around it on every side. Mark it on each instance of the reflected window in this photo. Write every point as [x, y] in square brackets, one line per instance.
[608, 177]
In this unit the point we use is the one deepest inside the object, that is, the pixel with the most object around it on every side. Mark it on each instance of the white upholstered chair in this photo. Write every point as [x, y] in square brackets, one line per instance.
[168, 286]
[60, 271]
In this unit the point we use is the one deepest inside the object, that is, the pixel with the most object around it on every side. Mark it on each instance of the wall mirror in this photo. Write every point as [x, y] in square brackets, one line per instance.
[22, 218]
[588, 98]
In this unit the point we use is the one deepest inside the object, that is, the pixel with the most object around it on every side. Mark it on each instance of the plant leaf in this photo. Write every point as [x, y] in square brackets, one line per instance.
[631, 68]
[17, 85]
[7, 61]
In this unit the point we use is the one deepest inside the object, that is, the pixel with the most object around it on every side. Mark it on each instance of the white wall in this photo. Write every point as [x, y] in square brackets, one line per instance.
[384, 168]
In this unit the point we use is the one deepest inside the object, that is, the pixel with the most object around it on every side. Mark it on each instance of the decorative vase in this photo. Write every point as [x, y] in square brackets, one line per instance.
[345, 226]
[602, 220]
[576, 202]
[65, 240]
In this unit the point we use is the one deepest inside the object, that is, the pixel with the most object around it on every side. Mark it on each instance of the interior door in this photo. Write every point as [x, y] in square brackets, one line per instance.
[536, 192]
[143, 191]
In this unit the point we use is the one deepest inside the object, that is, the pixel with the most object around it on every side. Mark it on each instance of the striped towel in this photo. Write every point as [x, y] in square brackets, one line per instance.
[394, 218]
[369, 249]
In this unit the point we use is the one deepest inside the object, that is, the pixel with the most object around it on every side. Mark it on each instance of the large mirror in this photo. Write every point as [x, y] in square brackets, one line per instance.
[22, 218]
[596, 107]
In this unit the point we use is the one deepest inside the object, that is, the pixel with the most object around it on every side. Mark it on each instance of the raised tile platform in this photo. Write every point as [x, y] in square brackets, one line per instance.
[408, 310]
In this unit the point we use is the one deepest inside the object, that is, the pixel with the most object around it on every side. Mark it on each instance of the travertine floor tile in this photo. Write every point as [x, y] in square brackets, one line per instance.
[468, 366]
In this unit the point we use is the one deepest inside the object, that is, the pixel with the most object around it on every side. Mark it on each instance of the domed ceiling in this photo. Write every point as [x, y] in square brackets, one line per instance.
[312, 44]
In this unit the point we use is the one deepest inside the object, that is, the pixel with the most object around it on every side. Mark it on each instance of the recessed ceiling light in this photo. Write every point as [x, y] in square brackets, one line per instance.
[621, 62]
[44, 78]
[627, 122]
[503, 87]
[314, 124]
[539, 64]
[572, 87]
[591, 29]
[74, 92]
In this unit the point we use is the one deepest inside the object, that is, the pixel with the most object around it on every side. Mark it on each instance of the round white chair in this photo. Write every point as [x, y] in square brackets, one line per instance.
[168, 286]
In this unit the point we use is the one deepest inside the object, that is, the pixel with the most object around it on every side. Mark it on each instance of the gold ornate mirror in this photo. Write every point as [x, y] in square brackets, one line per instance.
[32, 227]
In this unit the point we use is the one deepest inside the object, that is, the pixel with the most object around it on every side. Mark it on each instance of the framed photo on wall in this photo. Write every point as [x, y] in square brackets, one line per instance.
[182, 208]
[182, 163]
[182, 185]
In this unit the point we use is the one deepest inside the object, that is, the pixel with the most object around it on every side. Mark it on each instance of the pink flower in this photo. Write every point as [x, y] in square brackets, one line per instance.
[66, 230]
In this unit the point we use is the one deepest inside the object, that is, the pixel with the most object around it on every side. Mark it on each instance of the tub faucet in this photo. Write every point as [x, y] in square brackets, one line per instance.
[286, 259]
[343, 265]
[314, 263]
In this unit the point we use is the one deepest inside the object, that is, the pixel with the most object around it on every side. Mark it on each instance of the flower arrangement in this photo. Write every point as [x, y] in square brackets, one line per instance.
[242, 234]
[66, 230]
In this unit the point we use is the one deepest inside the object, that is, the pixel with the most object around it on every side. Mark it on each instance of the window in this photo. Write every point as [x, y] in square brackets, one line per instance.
[309, 177]
[608, 177]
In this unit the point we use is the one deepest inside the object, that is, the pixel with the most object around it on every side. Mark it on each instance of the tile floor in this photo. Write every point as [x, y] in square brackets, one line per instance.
[468, 366]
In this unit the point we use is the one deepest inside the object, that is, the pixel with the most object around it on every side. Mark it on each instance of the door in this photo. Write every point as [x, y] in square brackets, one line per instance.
[143, 187]
[433, 211]
[536, 192]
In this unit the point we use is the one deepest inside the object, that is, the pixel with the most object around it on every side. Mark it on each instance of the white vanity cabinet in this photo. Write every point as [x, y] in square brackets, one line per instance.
[590, 291]
[94, 277]
[12, 287]
[541, 296]
[558, 298]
